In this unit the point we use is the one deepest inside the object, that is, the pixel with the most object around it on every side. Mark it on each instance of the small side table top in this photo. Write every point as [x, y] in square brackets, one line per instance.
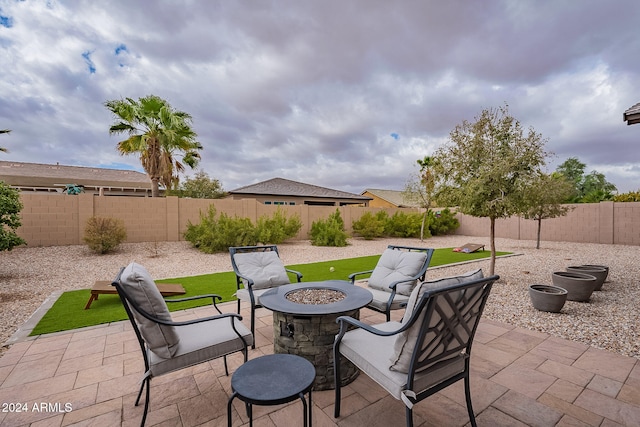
[273, 379]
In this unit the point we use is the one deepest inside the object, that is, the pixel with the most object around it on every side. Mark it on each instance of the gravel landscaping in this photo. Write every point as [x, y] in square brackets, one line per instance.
[611, 320]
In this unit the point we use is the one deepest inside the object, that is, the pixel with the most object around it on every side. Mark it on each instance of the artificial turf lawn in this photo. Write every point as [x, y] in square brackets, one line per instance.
[68, 311]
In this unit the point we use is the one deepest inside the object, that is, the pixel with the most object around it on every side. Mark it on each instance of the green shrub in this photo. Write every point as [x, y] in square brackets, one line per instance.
[329, 232]
[277, 228]
[631, 196]
[371, 226]
[442, 222]
[10, 207]
[218, 234]
[403, 224]
[104, 234]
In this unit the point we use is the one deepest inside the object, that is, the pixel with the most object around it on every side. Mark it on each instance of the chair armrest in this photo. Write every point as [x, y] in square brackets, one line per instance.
[213, 297]
[189, 322]
[352, 276]
[345, 321]
[297, 273]
[248, 280]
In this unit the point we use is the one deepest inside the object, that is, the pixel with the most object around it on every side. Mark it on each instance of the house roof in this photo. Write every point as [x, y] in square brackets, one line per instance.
[632, 115]
[394, 197]
[285, 187]
[47, 175]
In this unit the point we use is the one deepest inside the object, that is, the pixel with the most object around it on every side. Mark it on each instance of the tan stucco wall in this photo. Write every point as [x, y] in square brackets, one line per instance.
[56, 219]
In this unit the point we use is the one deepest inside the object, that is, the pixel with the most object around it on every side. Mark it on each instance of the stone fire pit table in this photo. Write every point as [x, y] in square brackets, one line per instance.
[309, 329]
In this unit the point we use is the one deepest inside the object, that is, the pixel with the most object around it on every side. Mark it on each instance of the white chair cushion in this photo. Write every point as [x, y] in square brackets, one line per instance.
[371, 354]
[243, 295]
[264, 268]
[137, 282]
[381, 300]
[405, 341]
[395, 265]
[200, 342]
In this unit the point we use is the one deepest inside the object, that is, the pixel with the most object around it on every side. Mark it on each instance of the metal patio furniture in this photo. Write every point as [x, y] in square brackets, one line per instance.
[257, 269]
[397, 272]
[426, 352]
[167, 345]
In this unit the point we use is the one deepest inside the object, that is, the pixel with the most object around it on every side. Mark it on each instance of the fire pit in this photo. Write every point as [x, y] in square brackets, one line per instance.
[304, 323]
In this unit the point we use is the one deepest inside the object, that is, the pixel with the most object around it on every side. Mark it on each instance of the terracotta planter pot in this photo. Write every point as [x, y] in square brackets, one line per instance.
[598, 272]
[547, 298]
[579, 286]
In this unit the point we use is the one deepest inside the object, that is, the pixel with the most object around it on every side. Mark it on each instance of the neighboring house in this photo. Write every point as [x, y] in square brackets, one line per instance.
[387, 199]
[279, 191]
[57, 178]
[632, 115]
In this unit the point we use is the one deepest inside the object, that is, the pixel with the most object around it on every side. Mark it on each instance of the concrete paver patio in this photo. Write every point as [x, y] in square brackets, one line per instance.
[519, 377]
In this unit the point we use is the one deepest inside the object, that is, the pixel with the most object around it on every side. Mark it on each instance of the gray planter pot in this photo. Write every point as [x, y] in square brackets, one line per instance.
[598, 272]
[579, 286]
[600, 266]
[547, 298]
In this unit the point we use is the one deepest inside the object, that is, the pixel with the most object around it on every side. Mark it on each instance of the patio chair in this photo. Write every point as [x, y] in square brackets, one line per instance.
[394, 277]
[166, 345]
[258, 269]
[426, 352]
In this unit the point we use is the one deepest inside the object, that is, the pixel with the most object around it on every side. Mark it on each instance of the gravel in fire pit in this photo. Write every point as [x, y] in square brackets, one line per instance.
[315, 296]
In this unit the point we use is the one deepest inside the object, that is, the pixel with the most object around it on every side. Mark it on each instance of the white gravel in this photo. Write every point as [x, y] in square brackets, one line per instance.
[611, 320]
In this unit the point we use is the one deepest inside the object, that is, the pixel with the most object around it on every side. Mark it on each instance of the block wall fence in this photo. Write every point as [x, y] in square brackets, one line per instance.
[55, 219]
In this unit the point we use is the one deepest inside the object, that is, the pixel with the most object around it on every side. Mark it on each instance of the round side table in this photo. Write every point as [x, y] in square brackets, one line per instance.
[273, 380]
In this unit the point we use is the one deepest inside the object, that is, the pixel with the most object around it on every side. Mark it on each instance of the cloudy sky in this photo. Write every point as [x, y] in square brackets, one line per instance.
[341, 94]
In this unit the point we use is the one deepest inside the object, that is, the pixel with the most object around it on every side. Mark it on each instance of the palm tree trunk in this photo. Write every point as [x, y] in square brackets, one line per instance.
[155, 187]
[539, 227]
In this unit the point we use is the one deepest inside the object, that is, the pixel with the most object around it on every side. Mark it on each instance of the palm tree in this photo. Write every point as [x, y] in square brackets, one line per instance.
[4, 150]
[158, 133]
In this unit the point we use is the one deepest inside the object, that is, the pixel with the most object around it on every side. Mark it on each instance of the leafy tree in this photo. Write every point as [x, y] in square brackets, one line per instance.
[420, 190]
[159, 134]
[10, 207]
[485, 166]
[199, 187]
[590, 188]
[631, 196]
[4, 150]
[545, 196]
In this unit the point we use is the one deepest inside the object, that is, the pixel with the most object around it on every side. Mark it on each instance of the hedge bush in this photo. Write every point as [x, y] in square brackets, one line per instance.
[442, 222]
[329, 232]
[217, 233]
[103, 235]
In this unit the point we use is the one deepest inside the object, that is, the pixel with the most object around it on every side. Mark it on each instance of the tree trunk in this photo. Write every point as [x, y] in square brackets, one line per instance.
[424, 219]
[492, 264]
[155, 188]
[539, 227]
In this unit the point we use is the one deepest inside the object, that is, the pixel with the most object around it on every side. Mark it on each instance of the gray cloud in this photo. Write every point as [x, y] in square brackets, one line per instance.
[312, 91]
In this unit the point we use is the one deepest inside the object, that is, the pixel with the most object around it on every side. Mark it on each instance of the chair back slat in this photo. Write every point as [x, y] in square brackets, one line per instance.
[450, 319]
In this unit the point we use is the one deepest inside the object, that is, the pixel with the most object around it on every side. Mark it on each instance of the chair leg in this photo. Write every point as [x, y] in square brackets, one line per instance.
[226, 368]
[409, 415]
[253, 326]
[144, 382]
[146, 402]
[336, 381]
[467, 395]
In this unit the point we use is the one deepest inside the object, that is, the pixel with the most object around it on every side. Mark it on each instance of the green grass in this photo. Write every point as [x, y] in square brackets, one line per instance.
[68, 311]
